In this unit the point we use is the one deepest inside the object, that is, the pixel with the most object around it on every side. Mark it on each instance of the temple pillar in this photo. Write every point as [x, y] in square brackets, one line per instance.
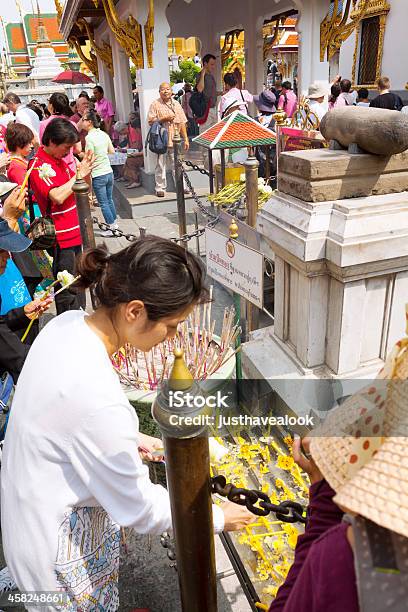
[149, 79]
[121, 81]
[254, 73]
[311, 14]
[106, 81]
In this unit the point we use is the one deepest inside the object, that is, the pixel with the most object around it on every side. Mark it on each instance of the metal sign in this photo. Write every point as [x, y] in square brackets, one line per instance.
[235, 266]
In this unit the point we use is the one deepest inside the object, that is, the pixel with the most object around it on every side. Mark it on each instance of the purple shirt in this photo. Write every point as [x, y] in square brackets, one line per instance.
[104, 108]
[322, 577]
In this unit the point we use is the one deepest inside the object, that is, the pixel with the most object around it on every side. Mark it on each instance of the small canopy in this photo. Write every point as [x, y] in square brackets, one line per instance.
[235, 131]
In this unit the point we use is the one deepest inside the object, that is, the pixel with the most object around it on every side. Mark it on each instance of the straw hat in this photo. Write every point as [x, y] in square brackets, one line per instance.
[362, 448]
[316, 91]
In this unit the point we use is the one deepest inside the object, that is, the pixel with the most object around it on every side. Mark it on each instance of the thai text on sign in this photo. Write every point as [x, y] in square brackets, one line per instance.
[235, 266]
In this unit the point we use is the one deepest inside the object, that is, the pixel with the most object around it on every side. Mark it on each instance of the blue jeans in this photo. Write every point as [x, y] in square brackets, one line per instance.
[103, 188]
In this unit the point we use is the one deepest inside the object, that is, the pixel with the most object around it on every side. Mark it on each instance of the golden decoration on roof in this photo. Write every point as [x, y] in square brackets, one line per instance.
[104, 52]
[128, 33]
[228, 46]
[271, 34]
[60, 9]
[91, 62]
[336, 27]
[149, 34]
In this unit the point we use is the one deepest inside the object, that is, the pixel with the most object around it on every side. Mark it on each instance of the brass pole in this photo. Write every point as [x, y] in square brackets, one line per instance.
[251, 184]
[81, 191]
[211, 172]
[181, 204]
[188, 479]
[222, 168]
[233, 232]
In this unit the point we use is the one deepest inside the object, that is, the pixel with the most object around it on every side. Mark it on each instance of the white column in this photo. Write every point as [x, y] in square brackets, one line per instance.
[254, 77]
[311, 69]
[150, 78]
[121, 81]
[106, 81]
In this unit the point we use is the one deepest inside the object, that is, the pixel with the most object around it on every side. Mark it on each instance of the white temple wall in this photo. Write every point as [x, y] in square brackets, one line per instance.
[395, 47]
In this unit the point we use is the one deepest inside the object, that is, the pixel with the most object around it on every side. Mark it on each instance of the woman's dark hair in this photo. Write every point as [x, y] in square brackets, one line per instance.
[60, 131]
[335, 92]
[84, 94]
[93, 117]
[36, 110]
[160, 273]
[287, 85]
[18, 136]
[229, 79]
[136, 123]
[60, 104]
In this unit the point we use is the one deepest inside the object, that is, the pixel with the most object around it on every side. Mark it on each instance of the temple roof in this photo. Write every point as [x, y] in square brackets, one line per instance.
[22, 39]
[236, 130]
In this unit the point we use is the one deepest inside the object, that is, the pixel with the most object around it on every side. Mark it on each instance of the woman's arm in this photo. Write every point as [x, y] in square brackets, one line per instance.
[60, 194]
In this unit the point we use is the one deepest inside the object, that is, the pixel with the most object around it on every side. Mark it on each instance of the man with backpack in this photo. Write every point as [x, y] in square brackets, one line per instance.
[164, 116]
[204, 100]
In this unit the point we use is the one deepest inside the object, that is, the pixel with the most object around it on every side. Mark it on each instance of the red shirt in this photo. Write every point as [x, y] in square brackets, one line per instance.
[17, 170]
[49, 173]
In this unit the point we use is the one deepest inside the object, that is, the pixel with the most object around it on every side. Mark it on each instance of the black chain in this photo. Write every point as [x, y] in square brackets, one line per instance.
[117, 233]
[287, 511]
[205, 210]
[196, 168]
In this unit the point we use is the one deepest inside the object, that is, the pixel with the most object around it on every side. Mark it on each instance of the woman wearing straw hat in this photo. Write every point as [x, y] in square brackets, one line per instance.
[357, 464]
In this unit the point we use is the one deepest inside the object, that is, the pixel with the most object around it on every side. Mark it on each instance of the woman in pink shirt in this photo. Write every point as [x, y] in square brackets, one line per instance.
[288, 99]
[336, 100]
[58, 105]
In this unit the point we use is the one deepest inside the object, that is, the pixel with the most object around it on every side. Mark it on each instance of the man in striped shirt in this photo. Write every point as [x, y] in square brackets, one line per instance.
[170, 114]
[51, 181]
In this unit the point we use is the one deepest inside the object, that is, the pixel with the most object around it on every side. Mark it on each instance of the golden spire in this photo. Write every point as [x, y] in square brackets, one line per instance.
[42, 36]
[180, 376]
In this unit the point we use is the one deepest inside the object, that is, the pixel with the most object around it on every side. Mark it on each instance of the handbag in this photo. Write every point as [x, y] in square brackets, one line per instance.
[13, 290]
[42, 230]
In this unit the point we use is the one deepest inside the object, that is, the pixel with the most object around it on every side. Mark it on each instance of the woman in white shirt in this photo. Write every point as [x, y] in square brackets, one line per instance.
[71, 471]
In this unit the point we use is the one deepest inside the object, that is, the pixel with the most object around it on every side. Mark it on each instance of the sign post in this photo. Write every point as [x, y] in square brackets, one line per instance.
[237, 267]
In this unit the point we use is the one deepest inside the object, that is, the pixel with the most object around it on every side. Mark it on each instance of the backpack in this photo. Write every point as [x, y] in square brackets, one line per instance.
[157, 139]
[198, 104]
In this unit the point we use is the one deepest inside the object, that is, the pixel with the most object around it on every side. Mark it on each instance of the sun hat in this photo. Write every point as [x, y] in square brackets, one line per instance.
[266, 101]
[316, 91]
[5, 186]
[12, 241]
[362, 447]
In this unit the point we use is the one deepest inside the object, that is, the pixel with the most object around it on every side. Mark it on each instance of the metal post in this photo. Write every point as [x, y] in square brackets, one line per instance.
[211, 172]
[197, 237]
[181, 204]
[222, 168]
[188, 479]
[142, 232]
[268, 163]
[280, 118]
[81, 191]
[233, 230]
[251, 184]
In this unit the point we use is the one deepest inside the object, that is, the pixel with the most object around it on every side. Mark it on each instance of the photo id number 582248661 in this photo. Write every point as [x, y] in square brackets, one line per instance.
[14, 599]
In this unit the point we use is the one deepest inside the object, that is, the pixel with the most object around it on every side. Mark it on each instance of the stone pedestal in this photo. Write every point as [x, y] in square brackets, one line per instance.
[341, 273]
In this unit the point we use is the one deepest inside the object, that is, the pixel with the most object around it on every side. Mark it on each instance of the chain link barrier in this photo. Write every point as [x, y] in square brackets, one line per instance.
[206, 211]
[196, 168]
[287, 511]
